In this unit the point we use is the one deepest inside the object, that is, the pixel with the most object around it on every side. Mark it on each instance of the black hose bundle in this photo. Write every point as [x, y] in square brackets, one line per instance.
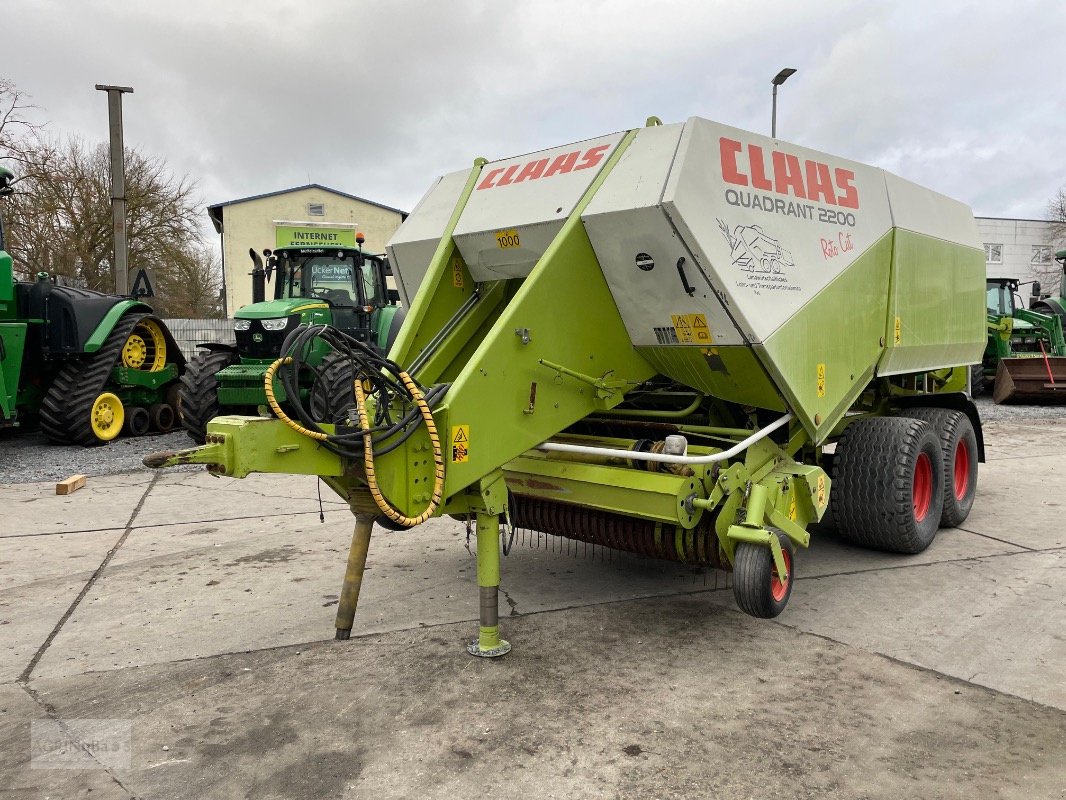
[380, 378]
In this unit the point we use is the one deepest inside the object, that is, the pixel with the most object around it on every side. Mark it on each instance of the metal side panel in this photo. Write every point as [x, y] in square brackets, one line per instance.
[520, 204]
[411, 247]
[639, 251]
[771, 222]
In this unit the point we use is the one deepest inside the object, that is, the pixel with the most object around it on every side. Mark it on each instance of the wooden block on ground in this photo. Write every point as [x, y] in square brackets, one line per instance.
[70, 485]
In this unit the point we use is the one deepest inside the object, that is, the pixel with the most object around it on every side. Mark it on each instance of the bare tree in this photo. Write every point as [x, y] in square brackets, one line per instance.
[59, 219]
[1050, 274]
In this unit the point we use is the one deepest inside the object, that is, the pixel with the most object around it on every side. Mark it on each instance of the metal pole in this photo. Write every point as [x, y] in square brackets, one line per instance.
[118, 183]
[773, 116]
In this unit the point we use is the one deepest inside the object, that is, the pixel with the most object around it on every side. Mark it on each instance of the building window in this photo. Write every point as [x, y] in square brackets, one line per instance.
[316, 209]
[1041, 254]
[993, 253]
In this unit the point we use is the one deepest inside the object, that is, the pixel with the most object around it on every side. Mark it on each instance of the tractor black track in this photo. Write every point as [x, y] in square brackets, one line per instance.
[66, 406]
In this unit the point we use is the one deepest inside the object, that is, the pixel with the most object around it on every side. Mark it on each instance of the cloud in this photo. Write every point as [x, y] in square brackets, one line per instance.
[379, 98]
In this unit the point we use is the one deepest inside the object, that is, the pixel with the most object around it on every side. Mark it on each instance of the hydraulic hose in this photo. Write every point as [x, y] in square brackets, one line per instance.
[368, 457]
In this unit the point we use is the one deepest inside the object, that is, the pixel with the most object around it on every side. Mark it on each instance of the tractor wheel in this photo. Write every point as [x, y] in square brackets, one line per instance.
[757, 587]
[162, 417]
[145, 348]
[137, 421]
[332, 394]
[977, 380]
[958, 443]
[107, 417]
[888, 484]
[198, 395]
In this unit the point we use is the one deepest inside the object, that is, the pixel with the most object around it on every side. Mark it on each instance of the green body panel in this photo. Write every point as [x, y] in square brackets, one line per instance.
[242, 384]
[933, 334]
[124, 376]
[310, 309]
[821, 374]
[107, 324]
[13, 342]
[239, 446]
[651, 495]
[570, 315]
[381, 322]
[7, 286]
[731, 372]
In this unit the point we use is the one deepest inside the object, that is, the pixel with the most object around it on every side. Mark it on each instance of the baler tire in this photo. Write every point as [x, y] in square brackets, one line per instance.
[756, 586]
[198, 396]
[958, 445]
[332, 393]
[886, 487]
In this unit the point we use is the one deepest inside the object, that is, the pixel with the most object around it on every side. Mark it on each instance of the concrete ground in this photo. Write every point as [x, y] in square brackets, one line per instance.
[200, 610]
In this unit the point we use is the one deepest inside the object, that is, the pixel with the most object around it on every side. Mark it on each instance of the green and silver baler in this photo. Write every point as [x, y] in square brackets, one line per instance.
[686, 341]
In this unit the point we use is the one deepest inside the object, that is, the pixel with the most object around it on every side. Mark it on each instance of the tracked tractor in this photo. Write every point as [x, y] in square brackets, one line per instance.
[589, 354]
[84, 366]
[1025, 355]
[338, 286]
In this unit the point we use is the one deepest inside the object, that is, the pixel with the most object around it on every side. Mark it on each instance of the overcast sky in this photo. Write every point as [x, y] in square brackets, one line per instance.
[378, 98]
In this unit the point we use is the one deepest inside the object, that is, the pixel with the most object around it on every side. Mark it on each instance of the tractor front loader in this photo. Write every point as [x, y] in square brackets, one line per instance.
[1026, 351]
[588, 353]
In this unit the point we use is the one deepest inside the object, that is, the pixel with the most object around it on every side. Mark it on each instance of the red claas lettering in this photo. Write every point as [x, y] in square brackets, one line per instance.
[742, 166]
[541, 168]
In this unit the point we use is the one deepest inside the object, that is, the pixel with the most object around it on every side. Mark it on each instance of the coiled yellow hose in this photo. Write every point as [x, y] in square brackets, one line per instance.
[368, 456]
[368, 452]
[268, 387]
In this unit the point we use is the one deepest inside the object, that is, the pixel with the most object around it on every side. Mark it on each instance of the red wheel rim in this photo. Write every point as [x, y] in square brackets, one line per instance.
[778, 587]
[962, 470]
[923, 486]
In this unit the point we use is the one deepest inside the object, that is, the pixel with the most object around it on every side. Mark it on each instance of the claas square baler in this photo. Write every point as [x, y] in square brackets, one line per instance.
[685, 341]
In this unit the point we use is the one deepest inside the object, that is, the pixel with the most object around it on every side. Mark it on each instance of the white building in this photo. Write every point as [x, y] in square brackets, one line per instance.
[1020, 248]
[289, 216]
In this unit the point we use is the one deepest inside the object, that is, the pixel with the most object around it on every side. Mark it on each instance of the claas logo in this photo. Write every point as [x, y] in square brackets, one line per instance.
[544, 168]
[784, 175]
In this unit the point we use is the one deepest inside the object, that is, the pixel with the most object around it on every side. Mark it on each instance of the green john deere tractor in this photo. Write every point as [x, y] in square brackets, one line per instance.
[1025, 357]
[83, 365]
[338, 286]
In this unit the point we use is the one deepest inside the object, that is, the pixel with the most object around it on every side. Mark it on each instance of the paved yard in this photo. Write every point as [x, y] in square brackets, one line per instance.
[199, 610]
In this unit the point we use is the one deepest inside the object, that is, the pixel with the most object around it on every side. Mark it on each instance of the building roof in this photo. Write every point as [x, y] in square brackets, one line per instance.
[215, 211]
[1018, 219]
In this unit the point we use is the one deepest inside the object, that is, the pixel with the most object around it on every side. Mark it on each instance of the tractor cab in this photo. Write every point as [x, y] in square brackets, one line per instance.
[349, 282]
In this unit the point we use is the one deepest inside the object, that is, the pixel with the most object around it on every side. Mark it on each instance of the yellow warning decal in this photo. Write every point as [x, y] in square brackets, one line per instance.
[792, 506]
[506, 239]
[457, 272]
[692, 328]
[821, 491]
[460, 443]
[899, 332]
[821, 380]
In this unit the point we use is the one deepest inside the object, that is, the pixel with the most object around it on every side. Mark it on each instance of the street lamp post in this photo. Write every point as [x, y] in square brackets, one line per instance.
[780, 78]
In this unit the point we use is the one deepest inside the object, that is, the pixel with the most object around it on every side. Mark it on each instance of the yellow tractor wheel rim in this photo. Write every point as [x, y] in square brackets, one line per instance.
[107, 416]
[134, 352]
[146, 347]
